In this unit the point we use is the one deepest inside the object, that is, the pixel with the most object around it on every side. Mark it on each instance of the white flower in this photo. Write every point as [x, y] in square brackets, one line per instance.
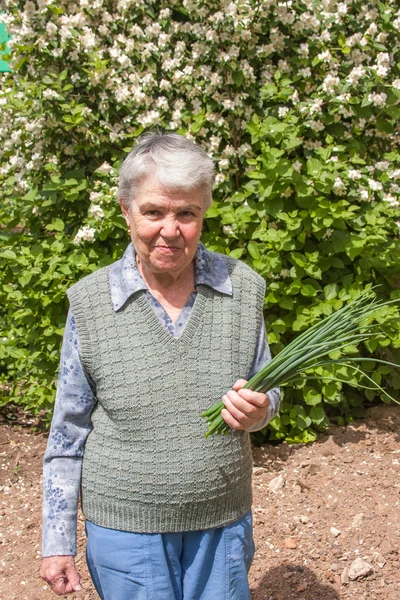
[285, 273]
[380, 70]
[382, 165]
[316, 125]
[364, 194]
[85, 234]
[383, 58]
[391, 199]
[297, 166]
[398, 224]
[288, 192]
[224, 163]
[330, 83]
[355, 75]
[219, 178]
[51, 29]
[243, 149]
[50, 93]
[372, 30]
[325, 56]
[342, 9]
[214, 142]
[382, 37]
[375, 186]
[354, 174]
[96, 211]
[150, 118]
[304, 50]
[396, 84]
[88, 39]
[295, 97]
[227, 229]
[124, 60]
[105, 168]
[283, 111]
[306, 72]
[95, 196]
[377, 99]
[338, 187]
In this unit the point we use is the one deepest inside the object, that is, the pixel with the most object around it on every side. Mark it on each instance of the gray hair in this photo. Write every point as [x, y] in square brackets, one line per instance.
[172, 160]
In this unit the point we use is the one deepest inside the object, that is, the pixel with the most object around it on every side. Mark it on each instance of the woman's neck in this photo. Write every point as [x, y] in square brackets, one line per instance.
[166, 281]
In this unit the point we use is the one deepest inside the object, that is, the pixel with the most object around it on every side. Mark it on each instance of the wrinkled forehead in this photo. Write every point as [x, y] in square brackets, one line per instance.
[153, 193]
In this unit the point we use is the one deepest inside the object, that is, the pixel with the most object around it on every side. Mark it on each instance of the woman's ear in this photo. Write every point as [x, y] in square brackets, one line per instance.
[125, 211]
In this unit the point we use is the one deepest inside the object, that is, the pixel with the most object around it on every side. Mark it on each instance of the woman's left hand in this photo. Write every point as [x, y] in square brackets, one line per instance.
[243, 408]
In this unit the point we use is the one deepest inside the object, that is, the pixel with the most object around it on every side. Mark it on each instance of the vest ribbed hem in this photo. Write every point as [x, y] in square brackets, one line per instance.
[165, 519]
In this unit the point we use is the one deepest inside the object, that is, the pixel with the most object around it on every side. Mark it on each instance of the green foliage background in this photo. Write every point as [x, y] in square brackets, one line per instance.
[298, 104]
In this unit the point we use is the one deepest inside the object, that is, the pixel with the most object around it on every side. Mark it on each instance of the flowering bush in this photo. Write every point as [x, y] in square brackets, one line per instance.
[297, 102]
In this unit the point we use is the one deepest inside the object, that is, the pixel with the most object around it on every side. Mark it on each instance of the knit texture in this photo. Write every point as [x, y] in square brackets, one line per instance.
[147, 466]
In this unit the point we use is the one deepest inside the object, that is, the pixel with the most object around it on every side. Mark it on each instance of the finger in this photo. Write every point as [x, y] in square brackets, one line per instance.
[61, 585]
[73, 578]
[247, 408]
[238, 408]
[239, 384]
[230, 420]
[257, 398]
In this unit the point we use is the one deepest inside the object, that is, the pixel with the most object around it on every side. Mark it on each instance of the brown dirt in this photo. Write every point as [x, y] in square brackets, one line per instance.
[348, 480]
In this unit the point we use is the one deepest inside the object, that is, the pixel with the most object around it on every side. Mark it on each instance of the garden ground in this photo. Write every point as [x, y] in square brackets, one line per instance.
[327, 517]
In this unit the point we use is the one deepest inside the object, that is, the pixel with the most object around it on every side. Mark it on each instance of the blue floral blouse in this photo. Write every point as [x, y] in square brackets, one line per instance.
[76, 397]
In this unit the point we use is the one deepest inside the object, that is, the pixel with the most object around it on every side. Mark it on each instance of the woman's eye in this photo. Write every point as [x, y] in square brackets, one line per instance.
[187, 213]
[152, 213]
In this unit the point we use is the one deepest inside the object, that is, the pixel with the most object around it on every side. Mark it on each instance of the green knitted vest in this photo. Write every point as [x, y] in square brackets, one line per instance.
[147, 466]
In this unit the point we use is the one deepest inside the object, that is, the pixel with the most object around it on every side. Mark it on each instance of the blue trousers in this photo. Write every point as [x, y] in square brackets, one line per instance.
[194, 565]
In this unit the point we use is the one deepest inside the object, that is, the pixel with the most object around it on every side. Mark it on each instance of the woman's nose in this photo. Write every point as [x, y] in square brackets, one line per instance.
[170, 228]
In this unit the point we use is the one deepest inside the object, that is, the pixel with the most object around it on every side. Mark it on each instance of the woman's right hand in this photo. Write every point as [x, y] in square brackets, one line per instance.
[60, 573]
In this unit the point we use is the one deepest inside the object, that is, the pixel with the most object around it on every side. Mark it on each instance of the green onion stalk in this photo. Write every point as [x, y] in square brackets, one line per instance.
[350, 325]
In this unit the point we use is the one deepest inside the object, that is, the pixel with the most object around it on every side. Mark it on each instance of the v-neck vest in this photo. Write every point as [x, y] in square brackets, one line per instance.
[147, 466]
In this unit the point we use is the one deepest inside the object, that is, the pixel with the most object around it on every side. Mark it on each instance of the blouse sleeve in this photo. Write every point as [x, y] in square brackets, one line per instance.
[262, 357]
[62, 463]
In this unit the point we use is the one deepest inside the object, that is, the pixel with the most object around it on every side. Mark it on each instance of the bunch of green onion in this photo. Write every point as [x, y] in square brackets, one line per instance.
[350, 325]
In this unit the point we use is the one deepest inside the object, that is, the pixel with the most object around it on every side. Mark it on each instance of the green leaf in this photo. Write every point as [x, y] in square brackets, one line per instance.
[9, 254]
[318, 415]
[56, 225]
[311, 396]
[253, 250]
[238, 77]
[330, 291]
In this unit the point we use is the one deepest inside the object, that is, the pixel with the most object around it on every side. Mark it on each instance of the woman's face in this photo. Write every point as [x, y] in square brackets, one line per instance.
[165, 226]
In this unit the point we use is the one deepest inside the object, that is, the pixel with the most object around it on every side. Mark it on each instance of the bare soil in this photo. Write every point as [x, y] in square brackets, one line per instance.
[327, 529]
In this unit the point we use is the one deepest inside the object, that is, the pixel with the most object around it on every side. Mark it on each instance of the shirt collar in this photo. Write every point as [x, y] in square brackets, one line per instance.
[125, 278]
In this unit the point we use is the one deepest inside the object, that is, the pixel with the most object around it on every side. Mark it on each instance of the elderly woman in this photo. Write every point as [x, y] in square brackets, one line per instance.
[151, 342]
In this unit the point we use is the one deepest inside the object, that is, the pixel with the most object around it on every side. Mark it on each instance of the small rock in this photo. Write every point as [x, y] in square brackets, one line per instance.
[314, 469]
[357, 520]
[335, 532]
[379, 560]
[344, 578]
[347, 459]
[276, 484]
[290, 543]
[359, 568]
[259, 470]
[304, 519]
[301, 587]
[287, 575]
[334, 567]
